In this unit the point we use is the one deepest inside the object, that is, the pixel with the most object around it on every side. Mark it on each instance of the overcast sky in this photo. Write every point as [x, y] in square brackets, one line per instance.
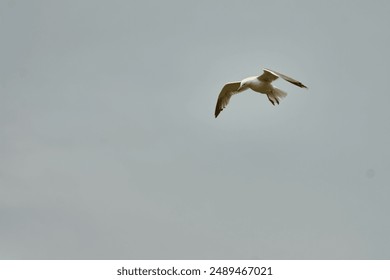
[109, 148]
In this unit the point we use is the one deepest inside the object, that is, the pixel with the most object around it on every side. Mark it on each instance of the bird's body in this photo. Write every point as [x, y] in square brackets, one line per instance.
[261, 84]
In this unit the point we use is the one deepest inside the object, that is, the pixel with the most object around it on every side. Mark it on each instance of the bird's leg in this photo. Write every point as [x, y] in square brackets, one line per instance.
[277, 100]
[273, 103]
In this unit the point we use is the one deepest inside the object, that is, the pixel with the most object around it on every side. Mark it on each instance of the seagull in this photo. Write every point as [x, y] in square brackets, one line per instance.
[261, 84]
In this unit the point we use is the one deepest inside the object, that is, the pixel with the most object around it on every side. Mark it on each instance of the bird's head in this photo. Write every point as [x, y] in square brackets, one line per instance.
[243, 85]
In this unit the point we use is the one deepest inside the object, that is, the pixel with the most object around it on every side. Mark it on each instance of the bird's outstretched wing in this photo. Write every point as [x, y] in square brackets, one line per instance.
[270, 75]
[227, 91]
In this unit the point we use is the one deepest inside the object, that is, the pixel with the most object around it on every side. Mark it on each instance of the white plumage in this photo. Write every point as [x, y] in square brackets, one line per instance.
[261, 84]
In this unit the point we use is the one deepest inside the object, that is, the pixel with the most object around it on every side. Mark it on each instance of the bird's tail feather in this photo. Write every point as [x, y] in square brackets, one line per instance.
[276, 95]
[279, 93]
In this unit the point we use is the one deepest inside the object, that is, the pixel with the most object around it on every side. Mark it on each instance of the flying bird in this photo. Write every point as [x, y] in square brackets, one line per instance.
[261, 84]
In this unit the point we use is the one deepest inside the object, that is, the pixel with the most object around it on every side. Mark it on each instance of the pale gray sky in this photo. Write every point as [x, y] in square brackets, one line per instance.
[109, 148]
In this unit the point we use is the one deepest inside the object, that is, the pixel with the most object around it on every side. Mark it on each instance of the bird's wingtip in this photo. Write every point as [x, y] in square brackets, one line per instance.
[301, 85]
[217, 112]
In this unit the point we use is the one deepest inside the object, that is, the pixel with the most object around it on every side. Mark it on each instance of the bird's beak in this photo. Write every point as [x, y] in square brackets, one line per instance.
[239, 89]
